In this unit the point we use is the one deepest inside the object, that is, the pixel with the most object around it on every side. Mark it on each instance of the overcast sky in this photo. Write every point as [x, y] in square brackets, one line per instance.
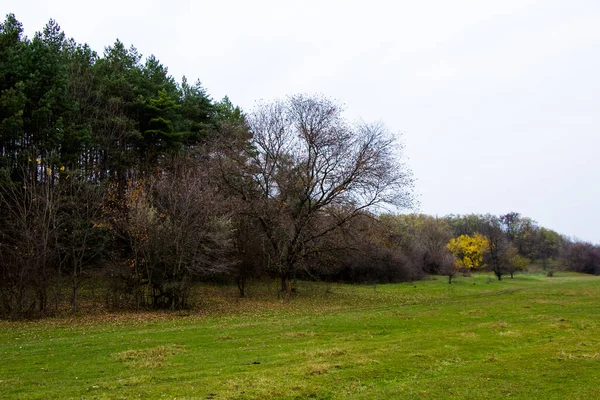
[498, 102]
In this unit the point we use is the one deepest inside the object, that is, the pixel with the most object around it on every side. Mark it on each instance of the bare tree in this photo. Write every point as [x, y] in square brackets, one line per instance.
[448, 266]
[582, 257]
[511, 222]
[82, 241]
[429, 245]
[178, 228]
[307, 163]
[27, 244]
[498, 246]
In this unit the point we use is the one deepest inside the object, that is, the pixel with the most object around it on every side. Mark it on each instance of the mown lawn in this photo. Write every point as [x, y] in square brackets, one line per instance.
[528, 337]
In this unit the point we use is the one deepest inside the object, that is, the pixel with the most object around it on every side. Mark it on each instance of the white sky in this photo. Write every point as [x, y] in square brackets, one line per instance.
[498, 101]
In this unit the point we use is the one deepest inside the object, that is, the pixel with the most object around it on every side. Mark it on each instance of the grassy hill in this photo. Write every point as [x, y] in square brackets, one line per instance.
[528, 337]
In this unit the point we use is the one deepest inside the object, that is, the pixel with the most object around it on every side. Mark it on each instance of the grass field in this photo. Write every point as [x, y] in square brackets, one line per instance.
[528, 337]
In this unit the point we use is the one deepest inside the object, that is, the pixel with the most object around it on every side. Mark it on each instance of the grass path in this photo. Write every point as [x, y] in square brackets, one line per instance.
[529, 337]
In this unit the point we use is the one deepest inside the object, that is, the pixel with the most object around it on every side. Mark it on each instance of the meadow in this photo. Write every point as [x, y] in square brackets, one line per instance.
[530, 337]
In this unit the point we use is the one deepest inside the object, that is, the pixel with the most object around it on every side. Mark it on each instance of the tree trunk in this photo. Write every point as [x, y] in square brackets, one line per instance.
[42, 299]
[74, 300]
[285, 283]
[241, 284]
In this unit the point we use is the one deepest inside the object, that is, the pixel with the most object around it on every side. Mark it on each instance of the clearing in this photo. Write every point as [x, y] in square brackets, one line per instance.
[528, 337]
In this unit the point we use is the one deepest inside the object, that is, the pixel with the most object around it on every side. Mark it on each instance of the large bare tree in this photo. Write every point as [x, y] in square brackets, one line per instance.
[309, 171]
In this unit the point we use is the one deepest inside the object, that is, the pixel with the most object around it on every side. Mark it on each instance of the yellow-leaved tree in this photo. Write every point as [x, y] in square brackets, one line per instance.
[468, 250]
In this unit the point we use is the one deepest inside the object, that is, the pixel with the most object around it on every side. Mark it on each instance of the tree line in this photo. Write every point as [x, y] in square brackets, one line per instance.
[114, 174]
[501, 244]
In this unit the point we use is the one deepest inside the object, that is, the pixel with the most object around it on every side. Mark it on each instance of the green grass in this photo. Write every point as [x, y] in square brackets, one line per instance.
[528, 337]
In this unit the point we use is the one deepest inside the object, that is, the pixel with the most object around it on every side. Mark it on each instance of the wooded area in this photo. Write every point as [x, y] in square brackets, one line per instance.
[113, 172]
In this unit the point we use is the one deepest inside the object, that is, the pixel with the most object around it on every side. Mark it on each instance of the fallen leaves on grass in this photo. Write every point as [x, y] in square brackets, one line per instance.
[299, 334]
[510, 333]
[563, 355]
[320, 368]
[323, 353]
[153, 357]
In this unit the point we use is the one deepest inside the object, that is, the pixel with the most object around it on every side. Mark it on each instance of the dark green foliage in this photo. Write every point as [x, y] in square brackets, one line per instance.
[197, 112]
[74, 124]
[63, 107]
